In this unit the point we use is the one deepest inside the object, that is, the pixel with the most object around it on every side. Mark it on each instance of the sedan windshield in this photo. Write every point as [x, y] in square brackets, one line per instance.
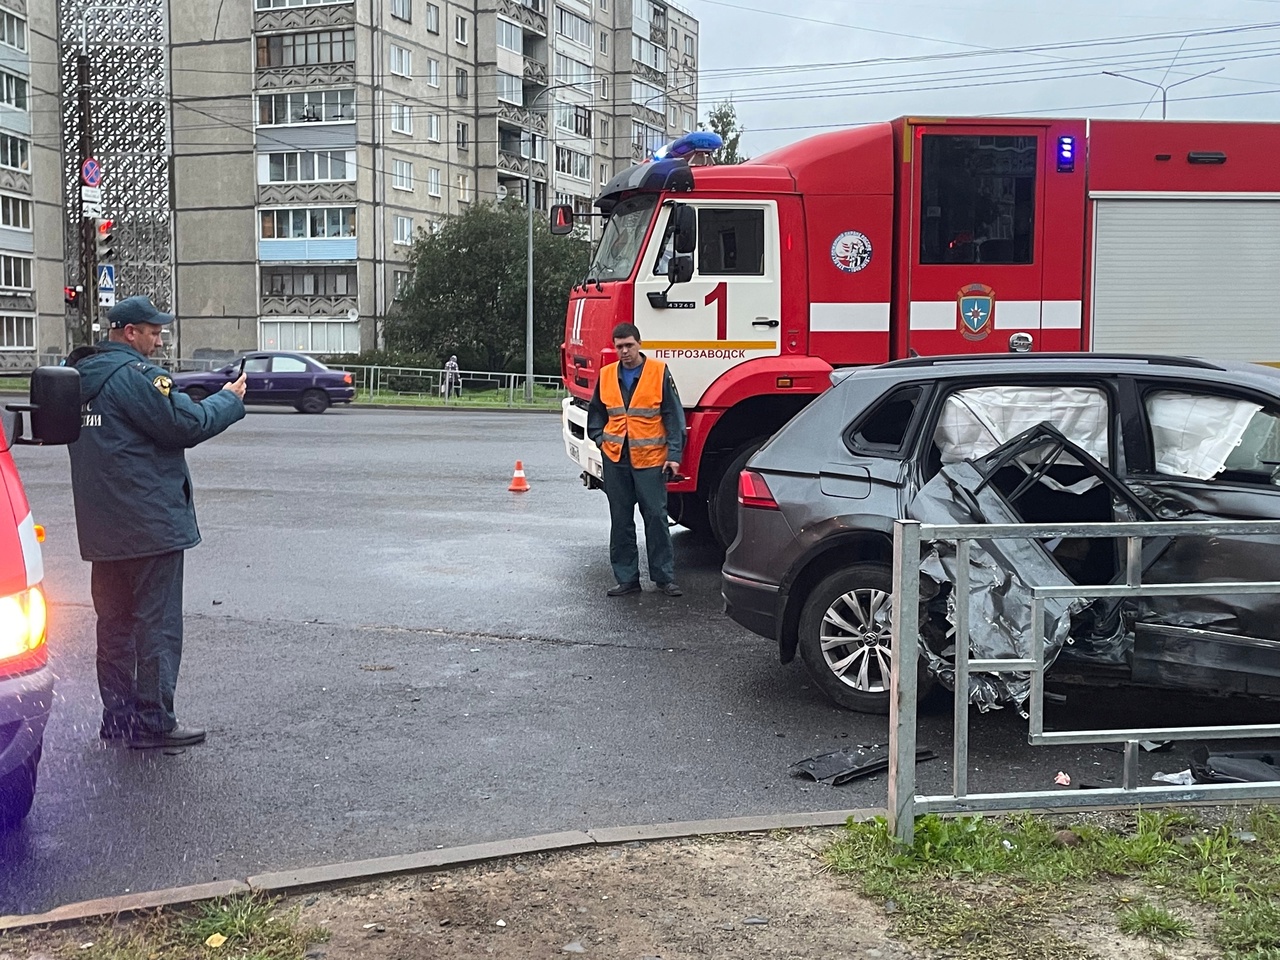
[620, 245]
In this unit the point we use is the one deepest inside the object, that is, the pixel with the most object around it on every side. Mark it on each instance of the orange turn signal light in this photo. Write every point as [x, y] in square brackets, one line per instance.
[39, 533]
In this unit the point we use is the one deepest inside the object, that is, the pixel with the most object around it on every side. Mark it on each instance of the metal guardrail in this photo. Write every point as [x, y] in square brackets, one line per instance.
[908, 535]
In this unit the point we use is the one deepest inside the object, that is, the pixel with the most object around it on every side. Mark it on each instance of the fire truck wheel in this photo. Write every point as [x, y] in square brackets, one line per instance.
[845, 636]
[18, 791]
[690, 511]
[724, 494]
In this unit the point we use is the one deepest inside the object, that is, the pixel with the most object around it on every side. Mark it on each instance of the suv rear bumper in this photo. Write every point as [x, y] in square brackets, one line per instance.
[25, 702]
[751, 603]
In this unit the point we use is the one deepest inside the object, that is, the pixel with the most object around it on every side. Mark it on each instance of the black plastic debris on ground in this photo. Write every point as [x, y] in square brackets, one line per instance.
[1241, 766]
[841, 766]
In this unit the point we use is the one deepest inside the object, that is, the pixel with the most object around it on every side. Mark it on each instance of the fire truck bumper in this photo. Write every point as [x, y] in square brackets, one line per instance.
[582, 451]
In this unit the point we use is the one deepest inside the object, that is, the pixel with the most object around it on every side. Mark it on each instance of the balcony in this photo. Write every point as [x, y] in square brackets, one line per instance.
[535, 72]
[520, 117]
[513, 163]
[529, 14]
[291, 78]
[328, 14]
[278, 251]
[307, 306]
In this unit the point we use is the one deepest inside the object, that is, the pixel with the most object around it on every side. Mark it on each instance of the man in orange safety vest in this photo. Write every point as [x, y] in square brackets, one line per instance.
[637, 421]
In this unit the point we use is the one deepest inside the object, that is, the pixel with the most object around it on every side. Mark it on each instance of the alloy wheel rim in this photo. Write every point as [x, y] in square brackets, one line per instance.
[855, 639]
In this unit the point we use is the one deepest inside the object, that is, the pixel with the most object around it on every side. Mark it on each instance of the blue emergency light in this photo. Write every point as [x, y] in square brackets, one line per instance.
[1066, 154]
[699, 141]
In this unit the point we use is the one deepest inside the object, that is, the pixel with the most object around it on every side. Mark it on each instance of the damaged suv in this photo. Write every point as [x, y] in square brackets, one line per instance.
[1006, 439]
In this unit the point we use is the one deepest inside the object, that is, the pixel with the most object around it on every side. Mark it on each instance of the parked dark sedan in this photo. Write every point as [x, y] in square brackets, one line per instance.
[1017, 439]
[302, 382]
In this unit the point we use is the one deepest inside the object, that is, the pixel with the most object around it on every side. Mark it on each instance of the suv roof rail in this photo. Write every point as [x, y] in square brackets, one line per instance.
[1150, 358]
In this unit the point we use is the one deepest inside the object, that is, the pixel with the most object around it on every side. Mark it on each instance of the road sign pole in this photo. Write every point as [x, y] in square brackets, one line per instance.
[89, 299]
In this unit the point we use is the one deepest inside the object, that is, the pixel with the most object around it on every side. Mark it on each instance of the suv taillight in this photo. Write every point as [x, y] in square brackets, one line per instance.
[754, 492]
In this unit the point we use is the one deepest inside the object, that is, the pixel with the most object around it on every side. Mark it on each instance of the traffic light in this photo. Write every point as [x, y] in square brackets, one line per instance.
[72, 295]
[104, 239]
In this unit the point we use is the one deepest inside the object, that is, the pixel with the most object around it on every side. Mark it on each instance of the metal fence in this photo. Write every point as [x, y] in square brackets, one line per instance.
[908, 536]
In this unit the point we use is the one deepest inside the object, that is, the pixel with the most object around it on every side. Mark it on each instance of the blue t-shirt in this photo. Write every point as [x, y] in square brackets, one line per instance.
[629, 376]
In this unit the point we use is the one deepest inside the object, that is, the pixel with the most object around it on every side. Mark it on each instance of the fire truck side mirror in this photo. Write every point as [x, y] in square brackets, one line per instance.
[54, 406]
[561, 220]
[680, 268]
[686, 223]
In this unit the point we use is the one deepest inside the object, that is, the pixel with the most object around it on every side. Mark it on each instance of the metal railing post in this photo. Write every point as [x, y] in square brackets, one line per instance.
[904, 654]
[960, 748]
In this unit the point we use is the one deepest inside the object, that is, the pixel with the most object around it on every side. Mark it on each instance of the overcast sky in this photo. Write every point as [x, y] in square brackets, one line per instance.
[796, 67]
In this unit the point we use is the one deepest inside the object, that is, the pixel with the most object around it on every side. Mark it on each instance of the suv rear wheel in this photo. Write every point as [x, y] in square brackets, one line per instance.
[845, 636]
[18, 791]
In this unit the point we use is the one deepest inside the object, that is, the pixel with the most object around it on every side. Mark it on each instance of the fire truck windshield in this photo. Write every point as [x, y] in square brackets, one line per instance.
[623, 234]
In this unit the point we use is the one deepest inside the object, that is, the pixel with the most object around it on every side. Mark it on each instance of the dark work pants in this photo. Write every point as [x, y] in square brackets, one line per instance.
[139, 607]
[626, 487]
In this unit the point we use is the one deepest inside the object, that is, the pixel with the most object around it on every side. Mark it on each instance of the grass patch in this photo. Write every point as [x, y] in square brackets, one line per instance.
[541, 400]
[252, 927]
[980, 887]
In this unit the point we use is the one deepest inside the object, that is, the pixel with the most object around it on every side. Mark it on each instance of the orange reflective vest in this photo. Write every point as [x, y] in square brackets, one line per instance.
[639, 425]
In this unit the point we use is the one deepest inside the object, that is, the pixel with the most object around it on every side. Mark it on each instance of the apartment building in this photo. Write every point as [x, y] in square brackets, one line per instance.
[30, 207]
[311, 140]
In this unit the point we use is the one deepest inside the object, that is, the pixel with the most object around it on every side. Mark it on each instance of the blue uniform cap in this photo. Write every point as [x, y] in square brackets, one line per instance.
[136, 310]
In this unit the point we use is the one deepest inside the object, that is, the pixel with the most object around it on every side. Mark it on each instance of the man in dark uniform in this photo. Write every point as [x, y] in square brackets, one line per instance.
[637, 420]
[135, 516]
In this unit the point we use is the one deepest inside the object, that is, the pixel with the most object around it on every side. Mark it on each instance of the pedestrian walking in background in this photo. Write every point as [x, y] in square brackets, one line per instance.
[452, 378]
[637, 420]
[135, 515]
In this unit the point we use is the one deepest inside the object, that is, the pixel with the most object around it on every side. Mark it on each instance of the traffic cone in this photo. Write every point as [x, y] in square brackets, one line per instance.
[518, 482]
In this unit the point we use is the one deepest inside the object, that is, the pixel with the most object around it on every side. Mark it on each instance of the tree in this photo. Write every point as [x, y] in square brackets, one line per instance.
[723, 119]
[468, 289]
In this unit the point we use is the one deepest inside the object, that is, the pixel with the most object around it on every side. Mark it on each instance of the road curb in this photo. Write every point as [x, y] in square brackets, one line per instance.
[425, 409]
[360, 871]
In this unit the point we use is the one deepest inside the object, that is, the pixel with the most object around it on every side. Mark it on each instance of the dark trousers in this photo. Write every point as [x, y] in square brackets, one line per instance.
[139, 607]
[626, 487]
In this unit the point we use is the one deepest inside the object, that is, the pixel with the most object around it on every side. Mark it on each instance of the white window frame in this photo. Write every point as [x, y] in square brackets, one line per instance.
[433, 181]
[15, 212]
[306, 97]
[578, 164]
[307, 220]
[401, 61]
[688, 45]
[433, 72]
[604, 41]
[510, 88]
[12, 143]
[16, 327]
[510, 27]
[402, 175]
[13, 31]
[460, 30]
[433, 127]
[403, 230]
[574, 28]
[402, 10]
[462, 135]
[432, 18]
[298, 159]
[16, 272]
[399, 280]
[349, 334]
[401, 118]
[464, 188]
[15, 91]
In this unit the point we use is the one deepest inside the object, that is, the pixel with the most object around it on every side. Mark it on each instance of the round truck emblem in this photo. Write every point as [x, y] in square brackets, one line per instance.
[851, 251]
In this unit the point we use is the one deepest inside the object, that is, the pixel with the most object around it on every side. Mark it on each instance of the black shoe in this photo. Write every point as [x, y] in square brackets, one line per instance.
[671, 589]
[114, 731]
[622, 589]
[156, 740]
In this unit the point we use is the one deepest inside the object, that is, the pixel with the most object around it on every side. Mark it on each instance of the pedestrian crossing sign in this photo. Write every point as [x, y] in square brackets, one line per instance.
[107, 278]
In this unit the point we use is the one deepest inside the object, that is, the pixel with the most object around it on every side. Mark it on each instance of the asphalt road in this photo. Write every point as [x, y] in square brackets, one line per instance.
[393, 653]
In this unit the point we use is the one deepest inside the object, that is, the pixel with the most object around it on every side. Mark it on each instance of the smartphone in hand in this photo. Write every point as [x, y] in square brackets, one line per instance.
[240, 369]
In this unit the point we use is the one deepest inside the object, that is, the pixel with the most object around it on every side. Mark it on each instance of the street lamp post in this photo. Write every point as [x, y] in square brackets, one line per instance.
[1163, 88]
[528, 320]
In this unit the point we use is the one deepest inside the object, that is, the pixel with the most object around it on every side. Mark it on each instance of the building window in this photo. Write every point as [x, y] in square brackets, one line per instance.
[510, 36]
[673, 116]
[401, 61]
[277, 4]
[402, 175]
[13, 30]
[604, 41]
[15, 152]
[15, 212]
[17, 333]
[13, 91]
[464, 188]
[510, 88]
[464, 135]
[604, 4]
[310, 336]
[648, 95]
[317, 223]
[604, 88]
[572, 163]
[399, 282]
[433, 181]
[303, 49]
[461, 83]
[604, 129]
[647, 138]
[404, 230]
[433, 127]
[304, 166]
[309, 281]
[675, 39]
[401, 118]
[15, 272]
[435, 226]
[460, 29]
[604, 174]
[402, 9]
[312, 106]
[686, 121]
[978, 197]
[649, 53]
[433, 18]
[571, 72]
[433, 72]
[688, 45]
[573, 27]
[574, 118]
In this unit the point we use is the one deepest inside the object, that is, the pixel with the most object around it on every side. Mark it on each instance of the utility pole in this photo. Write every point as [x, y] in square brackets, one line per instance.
[88, 266]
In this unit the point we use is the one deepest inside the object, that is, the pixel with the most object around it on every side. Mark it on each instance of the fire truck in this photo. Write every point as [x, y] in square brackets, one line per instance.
[918, 237]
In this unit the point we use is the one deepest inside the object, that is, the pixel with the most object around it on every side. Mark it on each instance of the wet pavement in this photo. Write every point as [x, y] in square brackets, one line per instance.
[393, 653]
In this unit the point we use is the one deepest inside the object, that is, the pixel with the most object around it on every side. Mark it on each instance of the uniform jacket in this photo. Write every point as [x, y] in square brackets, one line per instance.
[672, 411]
[129, 474]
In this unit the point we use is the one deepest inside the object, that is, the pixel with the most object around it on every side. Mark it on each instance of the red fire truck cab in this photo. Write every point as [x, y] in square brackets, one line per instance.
[920, 236]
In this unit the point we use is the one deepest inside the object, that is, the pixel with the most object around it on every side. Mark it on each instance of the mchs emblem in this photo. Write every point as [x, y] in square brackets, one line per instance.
[976, 306]
[851, 251]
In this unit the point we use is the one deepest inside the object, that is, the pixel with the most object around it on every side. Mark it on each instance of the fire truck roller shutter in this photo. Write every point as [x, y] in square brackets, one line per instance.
[1194, 276]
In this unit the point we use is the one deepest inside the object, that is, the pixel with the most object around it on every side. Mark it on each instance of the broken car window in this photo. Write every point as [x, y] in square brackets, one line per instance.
[884, 429]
